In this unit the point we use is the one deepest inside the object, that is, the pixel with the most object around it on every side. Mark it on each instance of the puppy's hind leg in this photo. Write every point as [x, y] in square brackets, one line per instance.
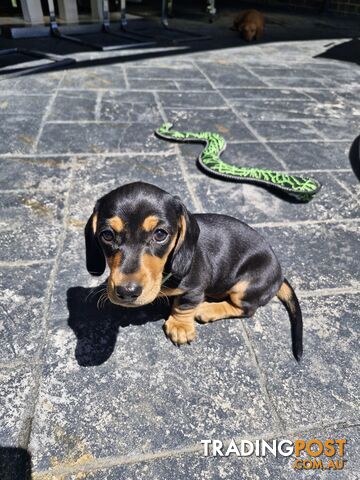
[210, 311]
[235, 306]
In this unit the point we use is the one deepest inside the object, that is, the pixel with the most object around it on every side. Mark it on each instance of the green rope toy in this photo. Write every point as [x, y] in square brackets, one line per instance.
[303, 188]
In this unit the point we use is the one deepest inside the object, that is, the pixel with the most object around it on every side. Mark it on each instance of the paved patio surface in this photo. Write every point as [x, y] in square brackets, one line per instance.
[102, 394]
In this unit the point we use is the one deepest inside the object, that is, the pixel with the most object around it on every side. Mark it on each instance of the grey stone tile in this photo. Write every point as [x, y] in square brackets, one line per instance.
[198, 467]
[138, 98]
[94, 78]
[295, 82]
[325, 66]
[311, 392]
[99, 138]
[351, 95]
[340, 76]
[21, 310]
[33, 173]
[15, 391]
[229, 74]
[73, 105]
[185, 85]
[31, 224]
[281, 72]
[238, 95]
[317, 256]
[256, 205]
[151, 84]
[41, 83]
[327, 96]
[285, 130]
[130, 107]
[174, 72]
[312, 156]
[350, 182]
[191, 99]
[18, 134]
[176, 62]
[23, 105]
[72, 270]
[143, 391]
[275, 110]
[338, 128]
[222, 121]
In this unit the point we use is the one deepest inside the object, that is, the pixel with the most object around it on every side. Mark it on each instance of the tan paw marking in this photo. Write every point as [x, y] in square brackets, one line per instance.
[205, 312]
[209, 312]
[179, 332]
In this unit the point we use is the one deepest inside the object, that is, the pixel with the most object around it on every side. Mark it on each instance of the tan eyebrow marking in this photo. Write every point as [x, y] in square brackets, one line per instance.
[182, 228]
[116, 223]
[150, 223]
[94, 223]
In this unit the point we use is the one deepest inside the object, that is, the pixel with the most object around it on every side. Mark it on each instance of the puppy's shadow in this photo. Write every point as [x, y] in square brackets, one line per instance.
[96, 328]
[354, 157]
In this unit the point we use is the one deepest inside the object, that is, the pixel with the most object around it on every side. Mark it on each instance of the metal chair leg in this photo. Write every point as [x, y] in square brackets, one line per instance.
[88, 29]
[188, 36]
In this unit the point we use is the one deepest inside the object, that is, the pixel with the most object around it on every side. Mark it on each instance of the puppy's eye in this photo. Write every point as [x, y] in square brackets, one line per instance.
[107, 235]
[160, 235]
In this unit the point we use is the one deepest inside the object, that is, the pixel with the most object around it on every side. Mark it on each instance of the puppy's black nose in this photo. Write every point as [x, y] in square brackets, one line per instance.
[128, 291]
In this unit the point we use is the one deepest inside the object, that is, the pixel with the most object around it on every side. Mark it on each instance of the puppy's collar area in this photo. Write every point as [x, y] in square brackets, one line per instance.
[166, 277]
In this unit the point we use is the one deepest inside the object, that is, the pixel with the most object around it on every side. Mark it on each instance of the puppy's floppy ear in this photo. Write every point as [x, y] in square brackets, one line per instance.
[186, 243]
[95, 259]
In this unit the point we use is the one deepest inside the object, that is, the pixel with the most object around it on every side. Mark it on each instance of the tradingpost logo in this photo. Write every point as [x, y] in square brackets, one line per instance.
[310, 454]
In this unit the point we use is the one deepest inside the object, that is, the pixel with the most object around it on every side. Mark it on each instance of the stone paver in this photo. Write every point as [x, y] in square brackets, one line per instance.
[99, 392]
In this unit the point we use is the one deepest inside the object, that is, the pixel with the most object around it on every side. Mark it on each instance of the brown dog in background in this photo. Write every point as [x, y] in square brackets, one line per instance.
[250, 23]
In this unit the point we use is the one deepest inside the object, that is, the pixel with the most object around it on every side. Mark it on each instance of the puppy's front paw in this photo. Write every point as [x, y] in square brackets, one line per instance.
[179, 332]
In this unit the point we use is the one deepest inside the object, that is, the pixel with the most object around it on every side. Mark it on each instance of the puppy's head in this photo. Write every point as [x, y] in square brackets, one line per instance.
[142, 233]
[249, 31]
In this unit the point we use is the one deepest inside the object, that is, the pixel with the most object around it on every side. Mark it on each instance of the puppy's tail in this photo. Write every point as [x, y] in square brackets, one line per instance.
[288, 298]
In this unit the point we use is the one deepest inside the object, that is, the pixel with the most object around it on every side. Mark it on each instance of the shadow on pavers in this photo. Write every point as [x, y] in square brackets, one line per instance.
[354, 157]
[348, 51]
[96, 326]
[15, 464]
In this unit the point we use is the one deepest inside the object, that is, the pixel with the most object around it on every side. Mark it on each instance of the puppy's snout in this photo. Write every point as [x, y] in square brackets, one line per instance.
[128, 291]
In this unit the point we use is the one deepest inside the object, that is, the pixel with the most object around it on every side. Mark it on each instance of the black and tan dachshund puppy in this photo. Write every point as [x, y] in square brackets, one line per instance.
[155, 247]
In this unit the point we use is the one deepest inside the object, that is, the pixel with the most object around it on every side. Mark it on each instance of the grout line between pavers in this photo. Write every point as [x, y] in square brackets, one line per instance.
[260, 139]
[295, 223]
[262, 379]
[249, 69]
[345, 187]
[25, 263]
[117, 461]
[97, 109]
[196, 201]
[162, 153]
[327, 292]
[46, 114]
[126, 80]
[25, 434]
[18, 363]
[297, 89]
[316, 130]
[15, 156]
